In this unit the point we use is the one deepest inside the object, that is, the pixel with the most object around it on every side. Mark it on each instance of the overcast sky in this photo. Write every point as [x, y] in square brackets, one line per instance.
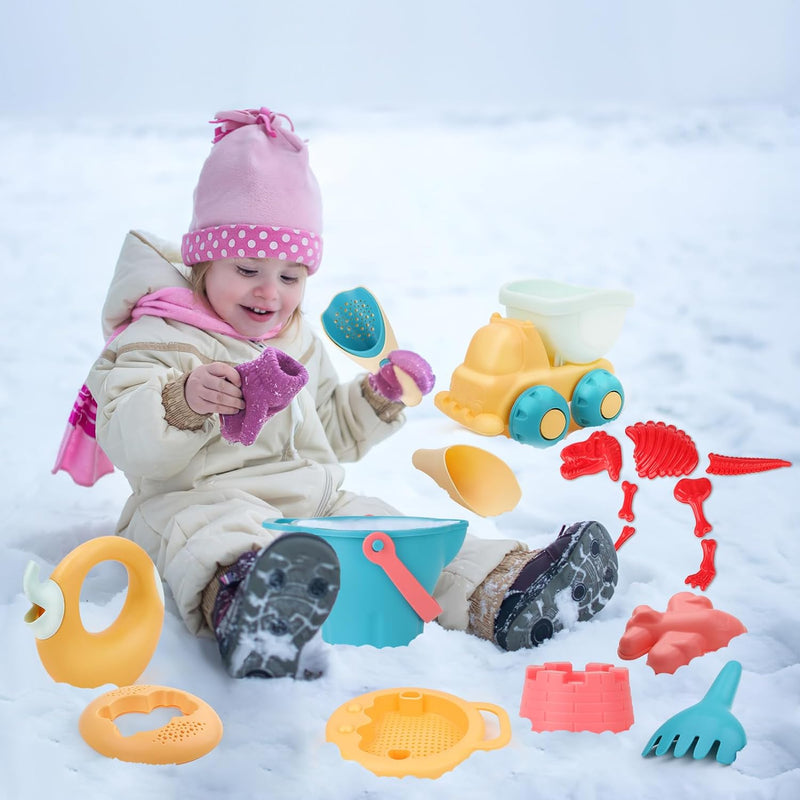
[154, 56]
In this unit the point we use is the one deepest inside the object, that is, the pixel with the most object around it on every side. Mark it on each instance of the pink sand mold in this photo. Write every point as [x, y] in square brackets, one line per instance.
[557, 698]
[627, 532]
[626, 512]
[690, 627]
[661, 450]
[740, 465]
[597, 453]
[694, 492]
[707, 572]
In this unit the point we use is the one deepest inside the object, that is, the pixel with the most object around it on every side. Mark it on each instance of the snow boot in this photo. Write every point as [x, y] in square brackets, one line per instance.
[272, 603]
[582, 561]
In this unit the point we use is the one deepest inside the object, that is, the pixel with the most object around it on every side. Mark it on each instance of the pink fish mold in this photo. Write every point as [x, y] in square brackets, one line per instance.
[690, 627]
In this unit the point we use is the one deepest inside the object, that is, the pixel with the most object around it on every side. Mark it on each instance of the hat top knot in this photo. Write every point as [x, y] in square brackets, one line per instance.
[233, 120]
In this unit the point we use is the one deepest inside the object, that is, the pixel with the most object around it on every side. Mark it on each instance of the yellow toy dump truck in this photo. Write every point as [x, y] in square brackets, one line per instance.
[537, 374]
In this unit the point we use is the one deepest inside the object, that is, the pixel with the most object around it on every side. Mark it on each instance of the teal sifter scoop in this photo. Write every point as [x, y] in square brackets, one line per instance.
[355, 322]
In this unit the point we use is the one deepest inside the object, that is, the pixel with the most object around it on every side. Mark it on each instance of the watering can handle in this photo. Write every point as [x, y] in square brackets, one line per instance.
[398, 573]
[502, 738]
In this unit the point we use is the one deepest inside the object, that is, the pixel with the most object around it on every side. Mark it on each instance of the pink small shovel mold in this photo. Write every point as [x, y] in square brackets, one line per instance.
[557, 698]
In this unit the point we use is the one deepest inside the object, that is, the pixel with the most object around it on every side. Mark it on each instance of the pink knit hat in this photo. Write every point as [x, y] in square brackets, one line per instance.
[256, 196]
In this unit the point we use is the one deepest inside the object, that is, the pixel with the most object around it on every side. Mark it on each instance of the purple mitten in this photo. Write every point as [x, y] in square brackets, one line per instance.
[385, 382]
[268, 385]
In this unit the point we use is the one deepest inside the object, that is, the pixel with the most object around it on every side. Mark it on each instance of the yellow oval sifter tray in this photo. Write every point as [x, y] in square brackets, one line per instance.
[409, 731]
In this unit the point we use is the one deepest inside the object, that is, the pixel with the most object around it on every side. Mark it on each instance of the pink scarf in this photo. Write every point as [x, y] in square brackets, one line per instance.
[80, 455]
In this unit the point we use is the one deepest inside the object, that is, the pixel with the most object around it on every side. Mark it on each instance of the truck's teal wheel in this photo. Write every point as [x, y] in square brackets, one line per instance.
[598, 398]
[539, 417]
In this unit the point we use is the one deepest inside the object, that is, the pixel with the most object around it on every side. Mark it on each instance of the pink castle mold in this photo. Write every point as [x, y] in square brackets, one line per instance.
[557, 698]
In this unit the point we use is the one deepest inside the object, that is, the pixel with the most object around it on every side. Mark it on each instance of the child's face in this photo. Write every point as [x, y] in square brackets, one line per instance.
[254, 295]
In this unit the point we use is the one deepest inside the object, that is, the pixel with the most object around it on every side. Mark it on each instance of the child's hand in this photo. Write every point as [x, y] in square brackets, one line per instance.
[214, 389]
[385, 382]
[269, 383]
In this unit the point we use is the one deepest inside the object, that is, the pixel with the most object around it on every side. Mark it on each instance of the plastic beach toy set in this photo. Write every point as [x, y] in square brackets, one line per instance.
[535, 375]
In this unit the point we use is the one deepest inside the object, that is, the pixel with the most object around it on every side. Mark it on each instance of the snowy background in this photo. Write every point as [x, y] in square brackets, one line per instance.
[684, 191]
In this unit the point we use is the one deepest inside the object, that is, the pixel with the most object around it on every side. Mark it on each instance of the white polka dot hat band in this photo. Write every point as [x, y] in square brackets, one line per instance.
[256, 196]
[252, 241]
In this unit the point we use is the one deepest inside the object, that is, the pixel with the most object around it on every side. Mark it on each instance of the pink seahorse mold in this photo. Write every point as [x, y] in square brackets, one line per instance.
[690, 627]
[269, 383]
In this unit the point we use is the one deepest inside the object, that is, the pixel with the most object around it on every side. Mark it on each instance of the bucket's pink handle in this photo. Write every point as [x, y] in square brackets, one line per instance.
[412, 590]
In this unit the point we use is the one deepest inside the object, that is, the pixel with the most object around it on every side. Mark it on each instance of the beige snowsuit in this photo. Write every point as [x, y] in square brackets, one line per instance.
[198, 501]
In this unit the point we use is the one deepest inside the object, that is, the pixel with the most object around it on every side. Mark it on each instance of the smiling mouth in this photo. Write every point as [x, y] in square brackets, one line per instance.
[261, 312]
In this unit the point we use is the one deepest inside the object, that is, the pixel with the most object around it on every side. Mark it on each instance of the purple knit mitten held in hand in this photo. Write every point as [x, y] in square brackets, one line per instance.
[269, 383]
[385, 382]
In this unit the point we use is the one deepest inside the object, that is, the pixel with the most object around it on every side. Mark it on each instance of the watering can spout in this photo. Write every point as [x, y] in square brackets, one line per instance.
[47, 610]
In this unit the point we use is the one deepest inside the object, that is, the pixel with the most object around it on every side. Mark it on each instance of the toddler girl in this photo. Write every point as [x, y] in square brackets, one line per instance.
[221, 406]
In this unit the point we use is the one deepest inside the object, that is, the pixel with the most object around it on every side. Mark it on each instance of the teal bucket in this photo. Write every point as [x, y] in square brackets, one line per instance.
[369, 608]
